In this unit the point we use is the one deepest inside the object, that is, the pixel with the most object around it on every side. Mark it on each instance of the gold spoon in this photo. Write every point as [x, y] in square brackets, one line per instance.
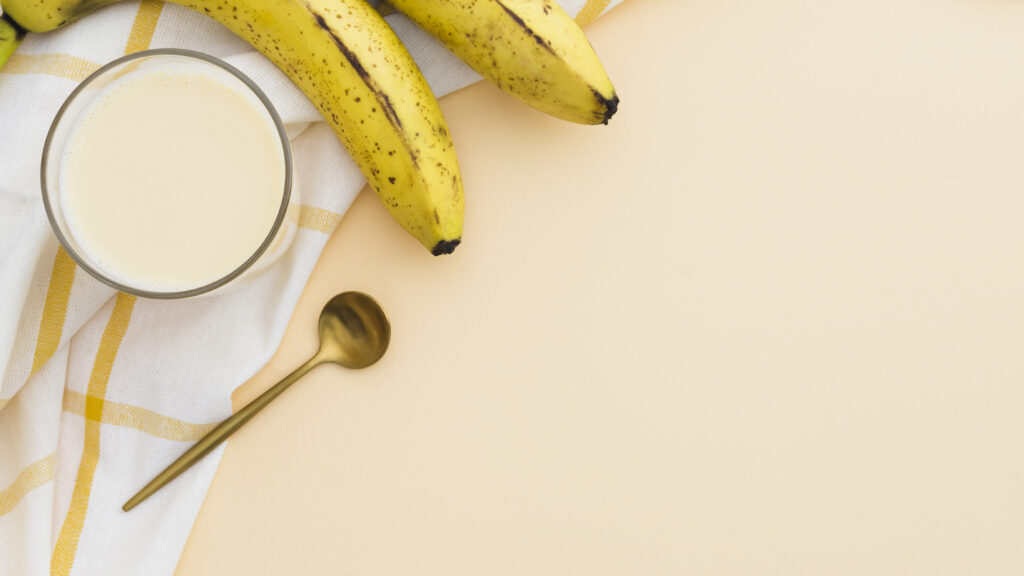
[354, 333]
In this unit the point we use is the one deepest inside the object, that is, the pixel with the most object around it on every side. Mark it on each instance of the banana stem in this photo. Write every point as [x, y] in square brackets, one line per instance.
[10, 36]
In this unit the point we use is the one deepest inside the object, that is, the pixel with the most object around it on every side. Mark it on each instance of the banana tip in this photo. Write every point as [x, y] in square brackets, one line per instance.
[611, 106]
[445, 247]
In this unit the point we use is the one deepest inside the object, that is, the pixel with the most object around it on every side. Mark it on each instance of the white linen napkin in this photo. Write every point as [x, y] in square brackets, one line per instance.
[101, 390]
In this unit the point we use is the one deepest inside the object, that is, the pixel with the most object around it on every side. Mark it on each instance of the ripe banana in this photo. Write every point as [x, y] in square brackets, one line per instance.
[531, 49]
[10, 36]
[345, 58]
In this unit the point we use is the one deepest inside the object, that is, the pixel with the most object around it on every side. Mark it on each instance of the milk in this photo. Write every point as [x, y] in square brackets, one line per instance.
[172, 176]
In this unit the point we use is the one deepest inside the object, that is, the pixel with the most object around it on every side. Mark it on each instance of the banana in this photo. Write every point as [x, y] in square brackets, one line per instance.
[345, 58]
[531, 49]
[10, 36]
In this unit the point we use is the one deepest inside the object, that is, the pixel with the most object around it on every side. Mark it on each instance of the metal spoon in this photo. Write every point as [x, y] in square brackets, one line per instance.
[354, 333]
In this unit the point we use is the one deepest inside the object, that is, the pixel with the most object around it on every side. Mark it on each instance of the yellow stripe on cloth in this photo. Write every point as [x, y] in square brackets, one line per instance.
[55, 308]
[60, 65]
[591, 10]
[315, 219]
[141, 419]
[33, 476]
[144, 26]
[71, 530]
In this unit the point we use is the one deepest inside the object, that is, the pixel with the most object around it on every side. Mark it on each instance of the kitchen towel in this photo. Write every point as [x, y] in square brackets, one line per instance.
[101, 390]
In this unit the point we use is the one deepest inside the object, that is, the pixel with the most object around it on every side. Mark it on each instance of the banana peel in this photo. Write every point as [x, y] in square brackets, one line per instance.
[10, 36]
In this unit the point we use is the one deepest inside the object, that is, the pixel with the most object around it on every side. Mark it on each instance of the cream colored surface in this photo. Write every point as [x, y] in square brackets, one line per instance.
[769, 321]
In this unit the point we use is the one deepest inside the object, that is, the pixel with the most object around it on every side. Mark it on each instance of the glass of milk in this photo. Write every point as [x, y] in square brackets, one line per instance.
[168, 174]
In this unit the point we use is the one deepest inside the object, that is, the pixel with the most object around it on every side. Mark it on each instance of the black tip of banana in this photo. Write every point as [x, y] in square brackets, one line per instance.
[610, 106]
[445, 247]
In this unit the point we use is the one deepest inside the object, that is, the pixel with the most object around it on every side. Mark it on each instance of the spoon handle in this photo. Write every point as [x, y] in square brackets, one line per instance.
[219, 434]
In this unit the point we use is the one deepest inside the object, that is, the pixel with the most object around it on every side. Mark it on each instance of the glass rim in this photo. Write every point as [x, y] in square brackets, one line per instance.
[271, 234]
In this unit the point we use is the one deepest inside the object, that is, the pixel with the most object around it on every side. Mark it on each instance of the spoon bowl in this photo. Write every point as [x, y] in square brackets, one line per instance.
[354, 331]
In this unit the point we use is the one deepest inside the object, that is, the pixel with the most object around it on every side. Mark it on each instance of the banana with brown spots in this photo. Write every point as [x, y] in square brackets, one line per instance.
[531, 49]
[345, 58]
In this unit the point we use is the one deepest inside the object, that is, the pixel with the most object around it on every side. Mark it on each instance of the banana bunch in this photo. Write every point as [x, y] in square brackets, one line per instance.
[349, 63]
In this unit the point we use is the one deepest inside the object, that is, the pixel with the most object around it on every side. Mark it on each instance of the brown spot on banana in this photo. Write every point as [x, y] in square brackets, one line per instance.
[385, 101]
[518, 20]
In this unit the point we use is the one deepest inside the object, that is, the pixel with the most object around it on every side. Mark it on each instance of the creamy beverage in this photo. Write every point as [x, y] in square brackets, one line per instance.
[172, 176]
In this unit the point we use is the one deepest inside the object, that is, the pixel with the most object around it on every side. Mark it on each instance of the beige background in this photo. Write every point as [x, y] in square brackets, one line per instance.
[769, 321]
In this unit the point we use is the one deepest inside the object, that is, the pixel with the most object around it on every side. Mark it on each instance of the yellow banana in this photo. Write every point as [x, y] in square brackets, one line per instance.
[10, 36]
[531, 49]
[345, 58]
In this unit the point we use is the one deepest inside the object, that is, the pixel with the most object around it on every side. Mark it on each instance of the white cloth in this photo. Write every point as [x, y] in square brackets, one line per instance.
[123, 385]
